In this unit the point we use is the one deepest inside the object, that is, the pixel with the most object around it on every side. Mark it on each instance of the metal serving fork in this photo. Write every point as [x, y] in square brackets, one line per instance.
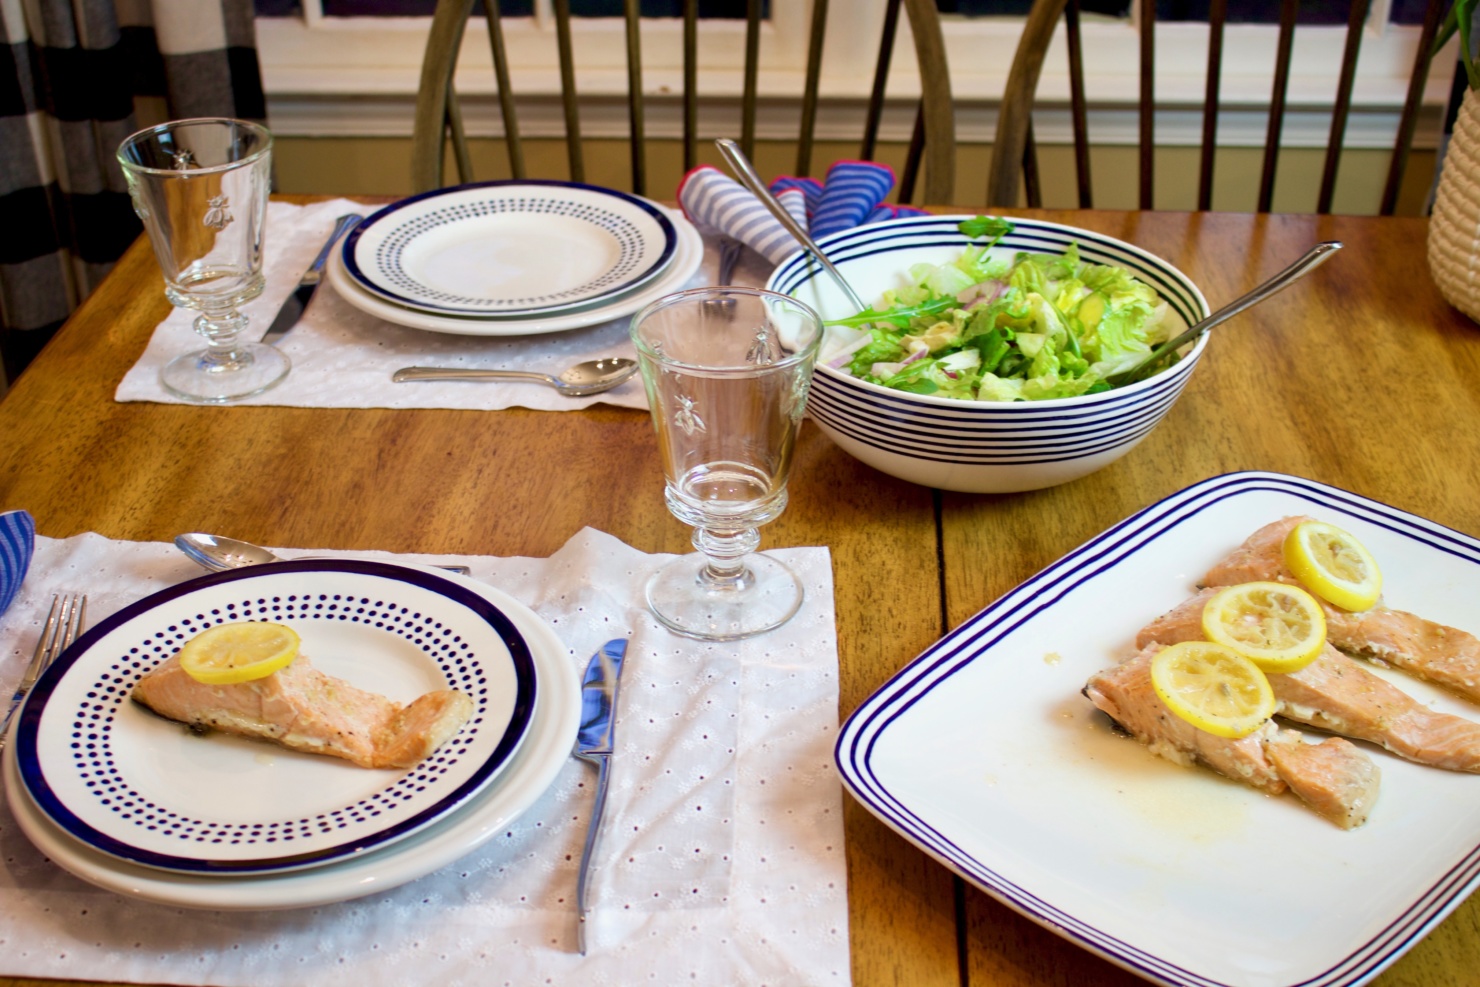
[63, 624]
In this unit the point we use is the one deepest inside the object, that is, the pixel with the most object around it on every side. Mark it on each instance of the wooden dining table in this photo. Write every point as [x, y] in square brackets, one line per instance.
[1360, 377]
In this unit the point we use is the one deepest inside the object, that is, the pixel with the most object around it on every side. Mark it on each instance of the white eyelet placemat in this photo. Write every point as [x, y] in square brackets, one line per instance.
[343, 357]
[722, 860]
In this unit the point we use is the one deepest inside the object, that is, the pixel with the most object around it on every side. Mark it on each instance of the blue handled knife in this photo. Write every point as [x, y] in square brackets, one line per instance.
[292, 309]
[594, 744]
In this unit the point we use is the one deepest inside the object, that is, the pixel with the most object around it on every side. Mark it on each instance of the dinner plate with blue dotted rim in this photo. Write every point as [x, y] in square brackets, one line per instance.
[129, 783]
[510, 248]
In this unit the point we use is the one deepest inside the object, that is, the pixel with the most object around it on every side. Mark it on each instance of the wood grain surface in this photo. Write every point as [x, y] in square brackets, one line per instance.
[1360, 377]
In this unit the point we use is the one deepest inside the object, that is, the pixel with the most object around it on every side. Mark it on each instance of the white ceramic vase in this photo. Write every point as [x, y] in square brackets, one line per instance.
[1454, 228]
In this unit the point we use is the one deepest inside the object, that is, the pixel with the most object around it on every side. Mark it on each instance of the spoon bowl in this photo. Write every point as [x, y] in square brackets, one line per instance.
[218, 554]
[579, 381]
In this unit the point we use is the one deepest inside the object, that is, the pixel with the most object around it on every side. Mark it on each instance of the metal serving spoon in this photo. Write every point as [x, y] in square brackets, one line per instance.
[746, 175]
[219, 554]
[1313, 259]
[582, 380]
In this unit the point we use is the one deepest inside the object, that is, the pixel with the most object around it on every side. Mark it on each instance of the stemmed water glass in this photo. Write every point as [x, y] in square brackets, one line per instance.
[201, 188]
[726, 371]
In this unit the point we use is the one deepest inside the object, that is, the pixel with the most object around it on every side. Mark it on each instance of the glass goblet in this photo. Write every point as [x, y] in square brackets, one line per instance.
[201, 188]
[726, 372]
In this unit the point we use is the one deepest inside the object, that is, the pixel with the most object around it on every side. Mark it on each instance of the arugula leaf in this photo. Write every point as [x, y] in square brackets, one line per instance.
[899, 315]
[993, 226]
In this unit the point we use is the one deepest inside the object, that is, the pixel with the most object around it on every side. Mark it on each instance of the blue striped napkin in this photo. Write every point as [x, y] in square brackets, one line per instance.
[17, 542]
[852, 194]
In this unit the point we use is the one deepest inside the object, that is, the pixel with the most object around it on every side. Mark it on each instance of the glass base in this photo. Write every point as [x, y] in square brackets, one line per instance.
[205, 378]
[688, 601]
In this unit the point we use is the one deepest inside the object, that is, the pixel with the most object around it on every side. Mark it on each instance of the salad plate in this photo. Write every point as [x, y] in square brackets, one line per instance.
[509, 248]
[487, 814]
[136, 786]
[688, 255]
[1174, 873]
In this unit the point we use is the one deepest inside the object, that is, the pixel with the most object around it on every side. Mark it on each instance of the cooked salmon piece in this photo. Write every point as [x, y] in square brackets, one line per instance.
[301, 708]
[1338, 780]
[1125, 694]
[1445, 656]
[1333, 777]
[1336, 694]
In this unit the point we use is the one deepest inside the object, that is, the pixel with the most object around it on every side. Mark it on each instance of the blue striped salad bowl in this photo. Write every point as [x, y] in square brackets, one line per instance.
[976, 443]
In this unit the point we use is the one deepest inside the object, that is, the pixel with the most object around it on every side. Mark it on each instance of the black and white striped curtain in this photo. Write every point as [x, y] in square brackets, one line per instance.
[76, 78]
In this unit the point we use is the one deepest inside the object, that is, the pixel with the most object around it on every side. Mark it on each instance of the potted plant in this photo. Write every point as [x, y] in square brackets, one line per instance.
[1454, 228]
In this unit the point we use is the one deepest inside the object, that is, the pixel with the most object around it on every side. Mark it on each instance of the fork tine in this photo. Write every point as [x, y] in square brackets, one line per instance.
[75, 610]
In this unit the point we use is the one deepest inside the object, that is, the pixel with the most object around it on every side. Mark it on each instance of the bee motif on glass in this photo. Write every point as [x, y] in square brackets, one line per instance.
[218, 216]
[183, 159]
[686, 418]
[761, 351]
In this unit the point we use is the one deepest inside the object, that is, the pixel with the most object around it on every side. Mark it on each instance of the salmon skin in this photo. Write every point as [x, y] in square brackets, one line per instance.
[1338, 695]
[1445, 656]
[301, 708]
[1333, 777]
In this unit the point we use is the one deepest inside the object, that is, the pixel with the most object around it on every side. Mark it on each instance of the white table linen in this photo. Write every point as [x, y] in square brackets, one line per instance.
[722, 860]
[343, 357]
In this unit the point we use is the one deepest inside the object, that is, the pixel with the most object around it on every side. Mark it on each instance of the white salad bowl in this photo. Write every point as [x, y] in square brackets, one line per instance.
[980, 446]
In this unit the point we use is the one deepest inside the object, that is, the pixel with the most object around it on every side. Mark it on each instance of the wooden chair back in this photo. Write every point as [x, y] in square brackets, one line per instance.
[1014, 151]
[439, 116]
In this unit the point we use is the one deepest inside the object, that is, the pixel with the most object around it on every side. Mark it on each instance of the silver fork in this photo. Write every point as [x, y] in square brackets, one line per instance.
[63, 624]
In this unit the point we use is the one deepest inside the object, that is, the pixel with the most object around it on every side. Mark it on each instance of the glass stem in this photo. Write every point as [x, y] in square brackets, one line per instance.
[725, 552]
[222, 329]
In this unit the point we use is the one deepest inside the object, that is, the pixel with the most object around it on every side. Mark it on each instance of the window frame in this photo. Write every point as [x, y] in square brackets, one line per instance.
[358, 76]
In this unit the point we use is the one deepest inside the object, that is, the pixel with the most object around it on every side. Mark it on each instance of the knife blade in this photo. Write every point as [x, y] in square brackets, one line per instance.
[594, 745]
[292, 310]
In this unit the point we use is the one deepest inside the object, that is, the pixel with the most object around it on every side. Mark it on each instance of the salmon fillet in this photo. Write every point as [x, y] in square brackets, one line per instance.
[301, 708]
[1446, 656]
[1336, 694]
[1125, 694]
[1333, 777]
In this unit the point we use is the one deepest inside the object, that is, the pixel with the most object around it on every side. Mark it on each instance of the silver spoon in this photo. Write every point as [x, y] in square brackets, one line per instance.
[747, 176]
[591, 377]
[1313, 259]
[219, 554]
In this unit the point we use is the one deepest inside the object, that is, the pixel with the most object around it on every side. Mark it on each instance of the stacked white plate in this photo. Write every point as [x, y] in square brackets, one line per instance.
[514, 258]
[142, 806]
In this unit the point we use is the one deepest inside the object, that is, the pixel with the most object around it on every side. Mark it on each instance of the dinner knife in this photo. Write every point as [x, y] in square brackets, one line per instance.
[292, 309]
[594, 744]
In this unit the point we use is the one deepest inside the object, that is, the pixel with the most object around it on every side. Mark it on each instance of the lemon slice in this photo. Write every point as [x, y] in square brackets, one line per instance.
[232, 653]
[1280, 628]
[1333, 564]
[1214, 688]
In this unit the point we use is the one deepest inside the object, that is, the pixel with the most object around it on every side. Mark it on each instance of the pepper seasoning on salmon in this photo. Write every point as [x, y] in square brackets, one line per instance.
[1336, 694]
[1446, 656]
[301, 708]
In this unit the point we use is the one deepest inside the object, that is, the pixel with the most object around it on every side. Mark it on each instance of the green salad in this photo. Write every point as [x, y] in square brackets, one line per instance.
[990, 328]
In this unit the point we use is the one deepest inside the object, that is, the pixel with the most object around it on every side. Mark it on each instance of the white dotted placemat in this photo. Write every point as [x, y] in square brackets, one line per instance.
[722, 860]
[344, 358]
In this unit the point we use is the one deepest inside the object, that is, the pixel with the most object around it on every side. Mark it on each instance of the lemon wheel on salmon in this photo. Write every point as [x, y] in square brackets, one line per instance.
[1214, 688]
[1334, 565]
[231, 653]
[1280, 628]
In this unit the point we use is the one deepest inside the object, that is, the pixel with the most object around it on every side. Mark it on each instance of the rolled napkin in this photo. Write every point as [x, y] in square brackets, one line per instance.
[852, 194]
[17, 542]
